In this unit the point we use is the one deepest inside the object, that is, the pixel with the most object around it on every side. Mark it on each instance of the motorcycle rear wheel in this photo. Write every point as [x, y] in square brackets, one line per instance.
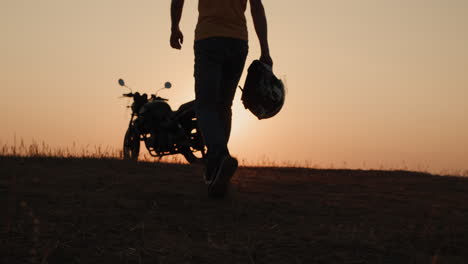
[200, 150]
[131, 145]
[191, 157]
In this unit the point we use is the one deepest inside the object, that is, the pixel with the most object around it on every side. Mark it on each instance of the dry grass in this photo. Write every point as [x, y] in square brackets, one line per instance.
[42, 149]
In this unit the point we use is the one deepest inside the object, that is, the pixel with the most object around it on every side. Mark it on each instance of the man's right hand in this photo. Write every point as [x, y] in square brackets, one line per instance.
[177, 39]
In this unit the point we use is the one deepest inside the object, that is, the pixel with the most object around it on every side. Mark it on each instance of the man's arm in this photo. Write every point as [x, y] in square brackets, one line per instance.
[260, 24]
[177, 38]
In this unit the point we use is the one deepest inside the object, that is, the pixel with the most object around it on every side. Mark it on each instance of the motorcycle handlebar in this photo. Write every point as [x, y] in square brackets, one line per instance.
[153, 97]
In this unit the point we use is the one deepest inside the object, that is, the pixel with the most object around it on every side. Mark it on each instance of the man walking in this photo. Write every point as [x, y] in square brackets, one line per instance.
[221, 47]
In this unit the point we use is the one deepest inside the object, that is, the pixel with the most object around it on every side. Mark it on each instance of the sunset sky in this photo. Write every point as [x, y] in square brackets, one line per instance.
[371, 83]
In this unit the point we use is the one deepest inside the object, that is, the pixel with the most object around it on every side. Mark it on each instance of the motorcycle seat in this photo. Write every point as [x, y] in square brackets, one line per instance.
[185, 107]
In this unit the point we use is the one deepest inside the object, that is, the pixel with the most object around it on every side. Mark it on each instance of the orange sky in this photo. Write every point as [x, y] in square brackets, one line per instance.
[370, 83]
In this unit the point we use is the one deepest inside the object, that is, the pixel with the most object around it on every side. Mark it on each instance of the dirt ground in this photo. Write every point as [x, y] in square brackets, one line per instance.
[110, 211]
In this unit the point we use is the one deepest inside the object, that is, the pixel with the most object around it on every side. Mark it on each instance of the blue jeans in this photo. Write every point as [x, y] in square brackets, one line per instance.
[219, 63]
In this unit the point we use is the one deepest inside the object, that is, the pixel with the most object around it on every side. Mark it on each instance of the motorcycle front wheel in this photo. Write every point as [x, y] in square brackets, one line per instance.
[131, 145]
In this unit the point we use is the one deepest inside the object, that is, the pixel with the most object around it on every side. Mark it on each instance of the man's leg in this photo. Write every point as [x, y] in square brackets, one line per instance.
[218, 66]
[235, 55]
[231, 74]
[209, 58]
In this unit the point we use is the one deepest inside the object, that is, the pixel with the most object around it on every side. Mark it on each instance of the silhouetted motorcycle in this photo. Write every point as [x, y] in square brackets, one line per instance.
[164, 132]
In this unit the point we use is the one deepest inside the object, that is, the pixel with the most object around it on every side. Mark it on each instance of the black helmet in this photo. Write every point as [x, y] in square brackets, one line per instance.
[263, 94]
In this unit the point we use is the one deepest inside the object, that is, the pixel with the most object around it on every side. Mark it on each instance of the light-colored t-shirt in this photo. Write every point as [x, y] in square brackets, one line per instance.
[221, 18]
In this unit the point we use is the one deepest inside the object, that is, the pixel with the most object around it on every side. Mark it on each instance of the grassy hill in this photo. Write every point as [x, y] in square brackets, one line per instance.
[59, 210]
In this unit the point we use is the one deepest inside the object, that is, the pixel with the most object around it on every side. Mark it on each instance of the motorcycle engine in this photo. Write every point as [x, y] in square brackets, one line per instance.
[155, 116]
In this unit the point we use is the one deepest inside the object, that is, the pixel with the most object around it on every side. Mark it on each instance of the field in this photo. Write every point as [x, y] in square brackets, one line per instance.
[85, 210]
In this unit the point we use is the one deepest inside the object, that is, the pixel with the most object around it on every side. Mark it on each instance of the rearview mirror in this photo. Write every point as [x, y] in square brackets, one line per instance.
[121, 82]
[167, 85]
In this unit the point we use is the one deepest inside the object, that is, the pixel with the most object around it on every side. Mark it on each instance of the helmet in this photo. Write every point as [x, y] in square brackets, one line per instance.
[263, 94]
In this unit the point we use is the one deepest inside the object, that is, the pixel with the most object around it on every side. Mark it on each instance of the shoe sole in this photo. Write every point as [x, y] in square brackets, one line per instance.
[220, 184]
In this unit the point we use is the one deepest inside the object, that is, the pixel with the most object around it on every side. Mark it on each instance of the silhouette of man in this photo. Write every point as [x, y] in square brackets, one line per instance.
[221, 47]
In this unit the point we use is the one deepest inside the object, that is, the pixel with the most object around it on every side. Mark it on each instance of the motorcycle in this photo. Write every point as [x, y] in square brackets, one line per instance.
[163, 131]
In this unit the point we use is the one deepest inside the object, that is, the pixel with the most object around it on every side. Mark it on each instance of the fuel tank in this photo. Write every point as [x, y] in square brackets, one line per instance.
[156, 111]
